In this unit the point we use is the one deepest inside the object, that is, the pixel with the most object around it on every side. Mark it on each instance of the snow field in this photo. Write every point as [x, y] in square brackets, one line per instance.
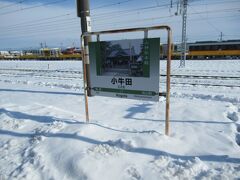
[43, 134]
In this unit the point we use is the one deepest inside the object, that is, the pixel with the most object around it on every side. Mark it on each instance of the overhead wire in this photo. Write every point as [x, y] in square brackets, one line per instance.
[37, 20]
[12, 4]
[95, 17]
[111, 4]
[125, 11]
[31, 7]
[72, 21]
[72, 25]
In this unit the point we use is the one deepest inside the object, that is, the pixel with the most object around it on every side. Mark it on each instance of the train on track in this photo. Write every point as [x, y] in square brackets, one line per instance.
[202, 50]
[70, 53]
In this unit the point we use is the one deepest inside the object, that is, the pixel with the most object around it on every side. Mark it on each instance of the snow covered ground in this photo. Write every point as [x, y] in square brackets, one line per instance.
[43, 134]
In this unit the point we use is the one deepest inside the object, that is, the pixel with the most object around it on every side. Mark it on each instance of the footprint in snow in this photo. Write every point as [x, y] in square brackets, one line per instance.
[55, 126]
[238, 128]
[133, 173]
[234, 115]
[104, 150]
[238, 139]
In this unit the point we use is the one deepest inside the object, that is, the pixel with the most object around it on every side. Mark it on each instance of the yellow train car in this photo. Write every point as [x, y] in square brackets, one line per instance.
[51, 57]
[214, 50]
[206, 50]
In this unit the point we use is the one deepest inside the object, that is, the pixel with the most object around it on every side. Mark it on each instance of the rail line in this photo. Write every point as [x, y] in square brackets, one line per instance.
[42, 70]
[206, 84]
[204, 77]
[162, 75]
[221, 81]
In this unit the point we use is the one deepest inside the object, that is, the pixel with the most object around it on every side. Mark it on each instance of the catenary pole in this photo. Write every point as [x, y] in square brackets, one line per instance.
[83, 11]
[184, 33]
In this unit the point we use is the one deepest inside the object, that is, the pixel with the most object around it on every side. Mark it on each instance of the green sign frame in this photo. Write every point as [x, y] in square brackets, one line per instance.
[125, 68]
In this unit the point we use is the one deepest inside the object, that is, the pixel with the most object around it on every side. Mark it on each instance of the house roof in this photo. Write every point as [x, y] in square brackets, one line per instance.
[124, 52]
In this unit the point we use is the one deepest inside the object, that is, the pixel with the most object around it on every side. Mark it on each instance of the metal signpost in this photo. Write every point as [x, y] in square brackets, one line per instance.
[126, 68]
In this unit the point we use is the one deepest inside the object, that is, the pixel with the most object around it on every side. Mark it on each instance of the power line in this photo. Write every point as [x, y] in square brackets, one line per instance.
[34, 21]
[71, 21]
[214, 27]
[49, 23]
[43, 19]
[141, 20]
[112, 4]
[72, 25]
[45, 4]
[114, 13]
[13, 4]
[129, 10]
[31, 7]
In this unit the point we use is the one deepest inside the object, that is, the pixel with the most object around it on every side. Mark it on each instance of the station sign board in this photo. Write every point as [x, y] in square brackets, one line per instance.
[125, 68]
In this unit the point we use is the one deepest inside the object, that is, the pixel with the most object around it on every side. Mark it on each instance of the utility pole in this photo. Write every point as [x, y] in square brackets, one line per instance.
[221, 36]
[83, 12]
[184, 32]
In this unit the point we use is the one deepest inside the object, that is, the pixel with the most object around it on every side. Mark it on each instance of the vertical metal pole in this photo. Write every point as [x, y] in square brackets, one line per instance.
[184, 33]
[84, 78]
[168, 81]
[98, 37]
[146, 34]
[221, 36]
[83, 12]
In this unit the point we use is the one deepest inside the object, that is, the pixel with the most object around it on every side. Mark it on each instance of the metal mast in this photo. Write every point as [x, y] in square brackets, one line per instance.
[184, 32]
[83, 11]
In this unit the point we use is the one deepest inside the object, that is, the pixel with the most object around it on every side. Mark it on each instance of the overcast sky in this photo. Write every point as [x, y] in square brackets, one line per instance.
[27, 23]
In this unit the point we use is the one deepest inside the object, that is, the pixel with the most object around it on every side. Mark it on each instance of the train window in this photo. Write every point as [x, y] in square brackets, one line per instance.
[214, 47]
[231, 47]
[203, 48]
[198, 48]
[207, 48]
[191, 48]
[218, 47]
[224, 47]
[238, 46]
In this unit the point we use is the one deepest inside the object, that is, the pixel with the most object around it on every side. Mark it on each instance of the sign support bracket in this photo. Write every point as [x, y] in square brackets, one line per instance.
[145, 30]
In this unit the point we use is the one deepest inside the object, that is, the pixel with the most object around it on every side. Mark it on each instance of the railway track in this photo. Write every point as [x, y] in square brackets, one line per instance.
[204, 80]
[173, 75]
[176, 79]
[53, 74]
[204, 77]
[205, 84]
[40, 70]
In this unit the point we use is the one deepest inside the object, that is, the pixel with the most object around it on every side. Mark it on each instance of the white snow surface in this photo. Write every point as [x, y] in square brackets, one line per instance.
[43, 134]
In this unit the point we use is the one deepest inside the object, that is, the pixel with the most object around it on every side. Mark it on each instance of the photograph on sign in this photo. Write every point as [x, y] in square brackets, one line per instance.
[125, 68]
[123, 58]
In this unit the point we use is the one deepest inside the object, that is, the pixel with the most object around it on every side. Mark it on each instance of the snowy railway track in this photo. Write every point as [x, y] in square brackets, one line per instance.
[205, 84]
[40, 76]
[52, 74]
[204, 77]
[177, 79]
[173, 76]
[43, 70]
[205, 80]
